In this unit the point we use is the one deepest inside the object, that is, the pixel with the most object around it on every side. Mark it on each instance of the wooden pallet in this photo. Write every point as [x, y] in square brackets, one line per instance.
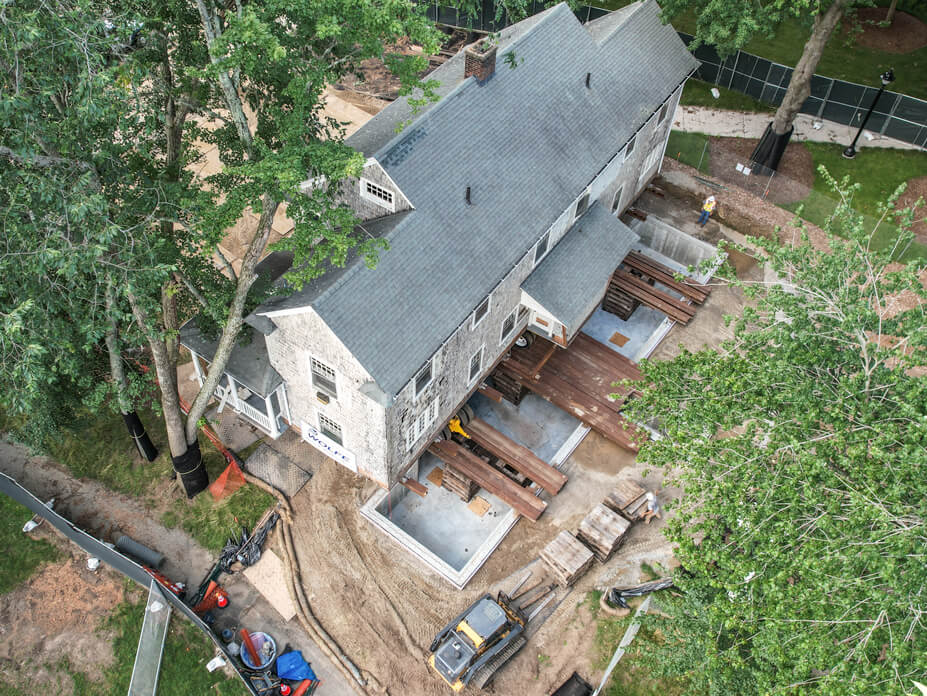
[664, 275]
[517, 456]
[458, 484]
[567, 558]
[467, 464]
[508, 385]
[603, 530]
[625, 498]
[675, 309]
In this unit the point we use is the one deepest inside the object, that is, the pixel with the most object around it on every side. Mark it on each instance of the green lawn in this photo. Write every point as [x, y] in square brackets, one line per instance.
[698, 93]
[879, 171]
[97, 446]
[689, 148]
[21, 553]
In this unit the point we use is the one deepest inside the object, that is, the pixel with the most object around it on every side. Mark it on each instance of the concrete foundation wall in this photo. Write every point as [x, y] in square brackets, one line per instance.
[363, 421]
[669, 241]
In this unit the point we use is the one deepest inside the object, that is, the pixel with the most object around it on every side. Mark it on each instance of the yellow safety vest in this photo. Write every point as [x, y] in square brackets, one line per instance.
[709, 206]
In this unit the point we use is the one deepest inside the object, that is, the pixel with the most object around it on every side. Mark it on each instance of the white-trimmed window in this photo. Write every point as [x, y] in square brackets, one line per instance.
[476, 365]
[424, 377]
[480, 312]
[663, 111]
[323, 378]
[330, 429]
[582, 205]
[508, 326]
[377, 194]
[616, 202]
[629, 148]
[420, 425]
[522, 313]
[540, 251]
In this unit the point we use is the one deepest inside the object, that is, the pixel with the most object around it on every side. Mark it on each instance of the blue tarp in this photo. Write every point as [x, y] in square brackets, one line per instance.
[292, 666]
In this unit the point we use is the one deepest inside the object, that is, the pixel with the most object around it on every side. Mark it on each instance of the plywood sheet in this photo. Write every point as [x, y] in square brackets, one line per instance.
[479, 506]
[618, 339]
[436, 476]
[268, 575]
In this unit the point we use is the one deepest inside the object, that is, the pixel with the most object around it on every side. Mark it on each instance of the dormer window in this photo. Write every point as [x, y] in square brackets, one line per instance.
[541, 249]
[423, 378]
[377, 194]
[663, 111]
[630, 148]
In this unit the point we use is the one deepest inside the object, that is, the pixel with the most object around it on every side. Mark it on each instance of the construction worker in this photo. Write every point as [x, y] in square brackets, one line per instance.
[652, 509]
[708, 207]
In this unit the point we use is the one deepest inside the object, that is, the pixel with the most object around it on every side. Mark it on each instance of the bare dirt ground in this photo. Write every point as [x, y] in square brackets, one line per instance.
[793, 179]
[917, 190]
[57, 615]
[383, 607]
[906, 34]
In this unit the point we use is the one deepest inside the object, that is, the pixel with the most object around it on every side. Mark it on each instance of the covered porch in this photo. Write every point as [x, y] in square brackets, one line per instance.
[249, 386]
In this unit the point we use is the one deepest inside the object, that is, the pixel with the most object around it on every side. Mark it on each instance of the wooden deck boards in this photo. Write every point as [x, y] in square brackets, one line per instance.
[517, 456]
[494, 481]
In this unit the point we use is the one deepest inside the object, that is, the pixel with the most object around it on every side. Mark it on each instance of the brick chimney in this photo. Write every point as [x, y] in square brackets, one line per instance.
[479, 61]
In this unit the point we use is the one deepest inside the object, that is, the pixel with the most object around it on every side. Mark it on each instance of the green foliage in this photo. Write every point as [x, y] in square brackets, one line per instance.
[22, 554]
[800, 447]
[698, 93]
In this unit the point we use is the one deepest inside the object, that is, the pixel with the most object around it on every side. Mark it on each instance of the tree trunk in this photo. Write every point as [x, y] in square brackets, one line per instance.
[800, 84]
[890, 15]
[133, 423]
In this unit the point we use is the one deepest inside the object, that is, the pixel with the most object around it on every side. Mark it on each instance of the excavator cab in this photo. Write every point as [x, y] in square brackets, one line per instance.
[476, 643]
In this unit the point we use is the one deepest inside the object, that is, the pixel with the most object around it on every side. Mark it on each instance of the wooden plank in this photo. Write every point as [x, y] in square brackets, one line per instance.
[527, 361]
[567, 557]
[603, 530]
[585, 344]
[653, 298]
[665, 275]
[590, 381]
[415, 487]
[494, 481]
[623, 495]
[586, 408]
[517, 456]
[490, 393]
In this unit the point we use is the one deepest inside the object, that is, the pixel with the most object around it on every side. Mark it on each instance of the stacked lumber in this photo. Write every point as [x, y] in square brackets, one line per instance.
[664, 275]
[458, 484]
[508, 385]
[619, 303]
[517, 456]
[625, 498]
[675, 309]
[468, 465]
[567, 558]
[603, 530]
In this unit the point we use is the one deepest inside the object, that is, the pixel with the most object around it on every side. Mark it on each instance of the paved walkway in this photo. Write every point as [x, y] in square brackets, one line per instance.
[740, 124]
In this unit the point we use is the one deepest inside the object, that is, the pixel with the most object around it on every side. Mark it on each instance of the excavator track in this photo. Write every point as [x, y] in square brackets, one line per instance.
[484, 674]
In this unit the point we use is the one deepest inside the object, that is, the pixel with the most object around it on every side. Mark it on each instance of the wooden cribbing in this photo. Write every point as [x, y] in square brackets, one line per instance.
[520, 499]
[665, 276]
[653, 298]
[517, 456]
[567, 557]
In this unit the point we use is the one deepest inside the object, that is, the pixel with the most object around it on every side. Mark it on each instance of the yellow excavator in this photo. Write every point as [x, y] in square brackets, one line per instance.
[475, 644]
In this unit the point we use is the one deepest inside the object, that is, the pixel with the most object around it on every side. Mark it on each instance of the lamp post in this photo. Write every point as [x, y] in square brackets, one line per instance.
[887, 78]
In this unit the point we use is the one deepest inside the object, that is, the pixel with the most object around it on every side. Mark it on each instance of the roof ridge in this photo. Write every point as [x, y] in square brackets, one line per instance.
[422, 118]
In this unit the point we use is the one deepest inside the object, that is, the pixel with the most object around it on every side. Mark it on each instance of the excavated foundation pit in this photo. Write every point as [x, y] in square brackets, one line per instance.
[439, 528]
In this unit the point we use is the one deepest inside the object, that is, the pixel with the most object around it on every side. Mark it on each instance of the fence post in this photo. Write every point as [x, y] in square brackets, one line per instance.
[705, 147]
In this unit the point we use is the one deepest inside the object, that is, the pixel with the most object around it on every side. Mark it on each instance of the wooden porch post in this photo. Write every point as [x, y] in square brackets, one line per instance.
[197, 368]
[268, 409]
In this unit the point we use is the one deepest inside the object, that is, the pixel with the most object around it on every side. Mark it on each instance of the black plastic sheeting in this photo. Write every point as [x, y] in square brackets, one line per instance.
[617, 596]
[768, 152]
[137, 430]
[112, 558]
[247, 550]
[192, 471]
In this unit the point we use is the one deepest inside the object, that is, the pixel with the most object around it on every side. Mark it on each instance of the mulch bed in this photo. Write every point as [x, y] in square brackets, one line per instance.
[906, 34]
[917, 188]
[791, 183]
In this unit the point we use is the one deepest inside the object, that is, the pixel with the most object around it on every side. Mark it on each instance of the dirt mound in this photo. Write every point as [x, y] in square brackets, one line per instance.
[792, 182]
[53, 616]
[906, 34]
[917, 188]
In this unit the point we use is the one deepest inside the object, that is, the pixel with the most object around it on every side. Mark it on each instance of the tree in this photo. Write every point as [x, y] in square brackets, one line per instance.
[800, 446]
[890, 14]
[729, 25]
[245, 78]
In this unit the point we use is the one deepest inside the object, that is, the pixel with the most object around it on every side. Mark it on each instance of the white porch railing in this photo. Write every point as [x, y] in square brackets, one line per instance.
[258, 417]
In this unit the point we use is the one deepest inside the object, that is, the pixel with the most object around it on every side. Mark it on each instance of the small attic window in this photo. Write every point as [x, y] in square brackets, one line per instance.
[663, 111]
[581, 205]
[630, 148]
[377, 194]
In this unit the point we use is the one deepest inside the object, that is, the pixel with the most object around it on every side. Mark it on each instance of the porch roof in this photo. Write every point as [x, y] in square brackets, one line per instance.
[572, 279]
[248, 365]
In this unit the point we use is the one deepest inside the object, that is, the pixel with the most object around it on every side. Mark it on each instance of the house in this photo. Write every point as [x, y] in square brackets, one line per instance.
[500, 204]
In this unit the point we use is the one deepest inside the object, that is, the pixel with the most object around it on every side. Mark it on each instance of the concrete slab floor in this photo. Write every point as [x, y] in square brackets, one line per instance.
[643, 323]
[441, 521]
[535, 423]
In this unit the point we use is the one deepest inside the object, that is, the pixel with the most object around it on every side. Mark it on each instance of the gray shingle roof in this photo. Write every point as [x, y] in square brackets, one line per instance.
[248, 363]
[570, 281]
[527, 141]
